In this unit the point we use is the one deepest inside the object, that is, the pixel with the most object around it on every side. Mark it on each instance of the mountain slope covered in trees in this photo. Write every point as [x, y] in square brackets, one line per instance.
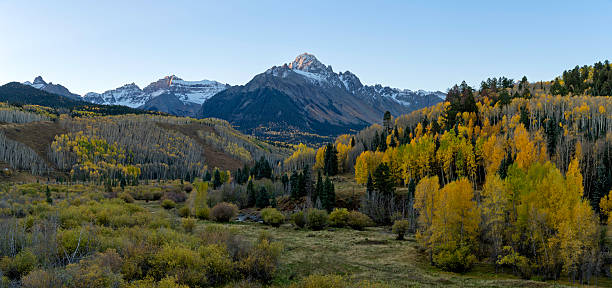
[515, 174]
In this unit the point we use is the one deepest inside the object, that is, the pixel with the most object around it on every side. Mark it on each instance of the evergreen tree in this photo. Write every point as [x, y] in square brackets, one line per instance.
[392, 143]
[308, 185]
[301, 191]
[387, 122]
[207, 176]
[383, 142]
[504, 98]
[318, 188]
[331, 160]
[263, 200]
[48, 194]
[383, 181]
[251, 194]
[285, 181]
[375, 141]
[370, 185]
[294, 181]
[216, 181]
[328, 200]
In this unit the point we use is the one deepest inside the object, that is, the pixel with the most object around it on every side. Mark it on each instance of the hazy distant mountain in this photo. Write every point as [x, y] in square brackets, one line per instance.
[309, 97]
[58, 89]
[169, 94]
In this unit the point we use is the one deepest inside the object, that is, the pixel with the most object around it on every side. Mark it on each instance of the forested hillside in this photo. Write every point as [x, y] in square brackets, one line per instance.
[123, 148]
[516, 174]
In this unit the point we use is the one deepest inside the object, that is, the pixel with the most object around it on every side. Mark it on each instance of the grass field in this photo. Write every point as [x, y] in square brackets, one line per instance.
[372, 255]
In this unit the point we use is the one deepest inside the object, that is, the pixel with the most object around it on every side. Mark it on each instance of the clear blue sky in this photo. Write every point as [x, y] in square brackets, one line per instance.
[93, 46]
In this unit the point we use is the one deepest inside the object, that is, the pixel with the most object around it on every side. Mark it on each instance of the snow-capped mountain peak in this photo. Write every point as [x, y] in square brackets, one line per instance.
[309, 63]
[127, 95]
[311, 69]
[188, 92]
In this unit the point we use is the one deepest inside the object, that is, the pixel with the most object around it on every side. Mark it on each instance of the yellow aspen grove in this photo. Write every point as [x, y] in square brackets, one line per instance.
[365, 164]
[454, 226]
[456, 216]
[320, 158]
[526, 153]
[425, 195]
[495, 201]
[493, 152]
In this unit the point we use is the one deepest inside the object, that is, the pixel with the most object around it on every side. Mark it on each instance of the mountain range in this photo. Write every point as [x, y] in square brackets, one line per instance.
[308, 98]
[304, 96]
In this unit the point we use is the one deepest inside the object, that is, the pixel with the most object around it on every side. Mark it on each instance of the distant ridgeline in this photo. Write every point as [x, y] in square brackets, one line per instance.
[19, 94]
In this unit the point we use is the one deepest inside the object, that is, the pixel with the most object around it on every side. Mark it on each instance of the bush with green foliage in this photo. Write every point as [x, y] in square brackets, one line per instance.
[272, 217]
[126, 197]
[217, 263]
[299, 219]
[188, 224]
[224, 212]
[168, 204]
[316, 219]
[400, 227]
[14, 268]
[41, 278]
[184, 211]
[200, 200]
[455, 259]
[183, 263]
[261, 262]
[358, 220]
[339, 217]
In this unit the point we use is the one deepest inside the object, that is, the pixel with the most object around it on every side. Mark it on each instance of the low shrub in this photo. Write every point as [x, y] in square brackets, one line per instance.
[188, 224]
[202, 213]
[235, 244]
[175, 195]
[272, 217]
[455, 259]
[15, 268]
[168, 204]
[126, 197]
[184, 212]
[358, 220]
[224, 212]
[184, 264]
[316, 219]
[299, 219]
[218, 264]
[339, 217]
[41, 278]
[188, 188]
[400, 227]
[261, 262]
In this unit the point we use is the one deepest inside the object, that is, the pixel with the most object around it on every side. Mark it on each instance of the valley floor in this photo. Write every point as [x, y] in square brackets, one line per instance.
[372, 255]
